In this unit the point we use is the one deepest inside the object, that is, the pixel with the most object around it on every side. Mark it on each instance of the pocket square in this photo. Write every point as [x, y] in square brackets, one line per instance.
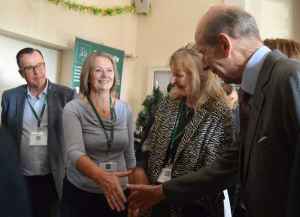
[262, 139]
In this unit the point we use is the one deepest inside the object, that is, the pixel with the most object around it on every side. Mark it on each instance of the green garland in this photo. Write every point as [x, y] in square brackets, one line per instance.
[118, 10]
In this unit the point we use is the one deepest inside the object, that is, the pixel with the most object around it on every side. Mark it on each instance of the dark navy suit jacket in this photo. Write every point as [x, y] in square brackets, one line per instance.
[13, 102]
[13, 193]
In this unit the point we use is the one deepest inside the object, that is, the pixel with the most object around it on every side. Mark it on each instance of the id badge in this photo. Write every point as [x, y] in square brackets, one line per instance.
[38, 138]
[165, 175]
[109, 166]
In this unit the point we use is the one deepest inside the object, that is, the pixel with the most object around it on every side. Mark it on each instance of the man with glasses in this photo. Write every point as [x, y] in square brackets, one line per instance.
[33, 115]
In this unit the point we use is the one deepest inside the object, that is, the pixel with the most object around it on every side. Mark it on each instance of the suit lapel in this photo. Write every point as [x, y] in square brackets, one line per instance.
[20, 102]
[256, 108]
[52, 107]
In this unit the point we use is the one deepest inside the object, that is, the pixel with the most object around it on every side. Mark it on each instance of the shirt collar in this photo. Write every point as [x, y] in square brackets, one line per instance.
[43, 93]
[253, 67]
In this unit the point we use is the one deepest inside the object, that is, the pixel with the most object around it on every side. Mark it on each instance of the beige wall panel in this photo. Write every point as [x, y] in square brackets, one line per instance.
[170, 25]
[42, 22]
[149, 39]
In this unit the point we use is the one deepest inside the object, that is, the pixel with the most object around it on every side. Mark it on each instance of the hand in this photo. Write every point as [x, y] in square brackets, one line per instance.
[144, 196]
[113, 191]
[133, 212]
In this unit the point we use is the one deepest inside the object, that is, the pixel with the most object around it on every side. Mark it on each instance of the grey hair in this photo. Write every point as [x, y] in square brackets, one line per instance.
[233, 21]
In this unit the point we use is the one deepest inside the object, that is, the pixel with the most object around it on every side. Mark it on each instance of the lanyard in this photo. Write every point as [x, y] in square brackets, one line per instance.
[109, 139]
[38, 118]
[176, 133]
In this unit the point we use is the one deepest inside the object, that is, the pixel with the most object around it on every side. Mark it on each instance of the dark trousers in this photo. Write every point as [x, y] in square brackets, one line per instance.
[42, 195]
[79, 203]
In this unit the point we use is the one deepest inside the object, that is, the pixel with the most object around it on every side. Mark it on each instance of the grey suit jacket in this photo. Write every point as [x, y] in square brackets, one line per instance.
[268, 155]
[13, 102]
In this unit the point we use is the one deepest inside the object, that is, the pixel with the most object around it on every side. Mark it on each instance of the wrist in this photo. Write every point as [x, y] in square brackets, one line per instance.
[159, 192]
[99, 176]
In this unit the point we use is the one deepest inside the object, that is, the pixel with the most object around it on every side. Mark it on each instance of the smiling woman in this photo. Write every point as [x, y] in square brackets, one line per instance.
[98, 131]
[102, 77]
[192, 127]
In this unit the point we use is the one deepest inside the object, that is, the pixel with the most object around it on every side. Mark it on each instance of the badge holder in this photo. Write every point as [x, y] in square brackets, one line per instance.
[38, 138]
[165, 174]
[109, 166]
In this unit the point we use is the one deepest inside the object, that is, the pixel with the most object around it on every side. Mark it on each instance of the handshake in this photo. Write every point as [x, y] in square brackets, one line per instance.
[141, 196]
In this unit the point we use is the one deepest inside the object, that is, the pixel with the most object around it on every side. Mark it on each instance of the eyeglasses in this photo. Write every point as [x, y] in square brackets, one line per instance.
[29, 69]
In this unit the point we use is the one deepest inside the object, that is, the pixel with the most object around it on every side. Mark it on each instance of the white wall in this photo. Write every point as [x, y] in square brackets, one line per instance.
[275, 18]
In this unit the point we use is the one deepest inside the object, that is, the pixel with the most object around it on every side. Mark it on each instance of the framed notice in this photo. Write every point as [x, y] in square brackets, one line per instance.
[83, 48]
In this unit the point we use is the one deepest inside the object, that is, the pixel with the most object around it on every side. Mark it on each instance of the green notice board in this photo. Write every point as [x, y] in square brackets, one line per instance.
[81, 51]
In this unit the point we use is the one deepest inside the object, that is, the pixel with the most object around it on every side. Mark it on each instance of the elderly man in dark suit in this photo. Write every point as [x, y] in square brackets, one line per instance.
[229, 39]
[33, 114]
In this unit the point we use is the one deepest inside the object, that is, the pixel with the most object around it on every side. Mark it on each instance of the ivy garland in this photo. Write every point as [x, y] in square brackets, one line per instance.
[118, 10]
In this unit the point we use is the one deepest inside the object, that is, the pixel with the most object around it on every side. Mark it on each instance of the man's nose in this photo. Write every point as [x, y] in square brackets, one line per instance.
[172, 80]
[35, 70]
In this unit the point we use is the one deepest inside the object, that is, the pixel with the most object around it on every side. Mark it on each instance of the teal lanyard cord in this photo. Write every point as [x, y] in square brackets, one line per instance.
[109, 139]
[38, 118]
[175, 134]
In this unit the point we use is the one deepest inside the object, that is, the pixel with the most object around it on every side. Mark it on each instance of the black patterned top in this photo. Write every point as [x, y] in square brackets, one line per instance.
[205, 136]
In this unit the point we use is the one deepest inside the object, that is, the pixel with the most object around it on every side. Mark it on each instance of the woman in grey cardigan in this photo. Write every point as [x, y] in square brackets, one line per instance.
[99, 151]
[191, 129]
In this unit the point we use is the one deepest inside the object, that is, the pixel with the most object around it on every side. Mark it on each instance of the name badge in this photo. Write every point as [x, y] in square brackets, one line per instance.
[165, 175]
[109, 166]
[38, 138]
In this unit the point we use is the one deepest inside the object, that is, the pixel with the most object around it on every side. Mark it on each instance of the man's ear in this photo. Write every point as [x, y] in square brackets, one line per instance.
[224, 44]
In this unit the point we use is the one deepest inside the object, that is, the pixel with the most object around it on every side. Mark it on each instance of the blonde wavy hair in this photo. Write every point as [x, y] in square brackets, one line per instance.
[205, 85]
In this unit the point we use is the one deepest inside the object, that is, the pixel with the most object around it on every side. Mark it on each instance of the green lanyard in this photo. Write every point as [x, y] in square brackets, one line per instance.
[172, 149]
[38, 118]
[109, 139]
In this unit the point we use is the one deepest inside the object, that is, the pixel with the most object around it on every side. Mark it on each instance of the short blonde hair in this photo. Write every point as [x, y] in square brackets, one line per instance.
[289, 47]
[89, 66]
[204, 84]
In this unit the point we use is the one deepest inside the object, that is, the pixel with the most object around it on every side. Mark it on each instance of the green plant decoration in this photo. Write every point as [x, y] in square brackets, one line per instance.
[113, 11]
